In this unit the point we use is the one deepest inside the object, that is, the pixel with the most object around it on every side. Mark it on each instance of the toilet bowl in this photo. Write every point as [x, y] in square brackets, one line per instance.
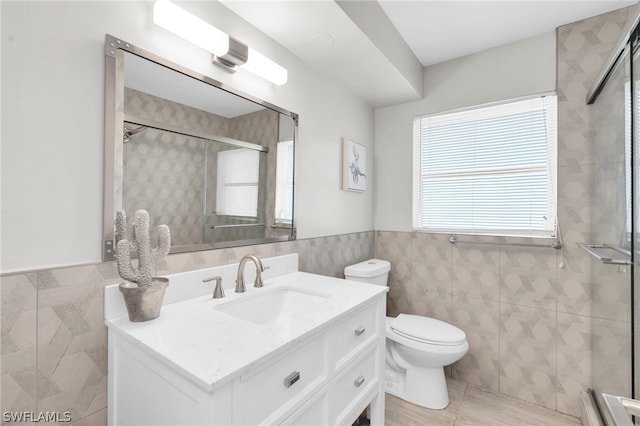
[417, 347]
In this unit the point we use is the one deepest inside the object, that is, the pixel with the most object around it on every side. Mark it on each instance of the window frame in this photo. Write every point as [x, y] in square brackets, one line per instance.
[551, 166]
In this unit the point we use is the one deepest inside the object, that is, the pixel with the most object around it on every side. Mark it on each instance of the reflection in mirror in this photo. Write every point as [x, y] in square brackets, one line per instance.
[216, 167]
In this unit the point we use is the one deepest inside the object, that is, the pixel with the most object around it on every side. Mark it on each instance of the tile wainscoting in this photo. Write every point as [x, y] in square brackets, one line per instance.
[54, 341]
[523, 341]
[503, 297]
[530, 333]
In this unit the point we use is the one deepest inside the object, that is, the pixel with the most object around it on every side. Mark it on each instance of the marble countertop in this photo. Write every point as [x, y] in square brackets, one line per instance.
[210, 347]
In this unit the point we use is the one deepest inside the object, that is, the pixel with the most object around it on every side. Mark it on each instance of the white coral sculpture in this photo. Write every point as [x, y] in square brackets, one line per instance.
[147, 257]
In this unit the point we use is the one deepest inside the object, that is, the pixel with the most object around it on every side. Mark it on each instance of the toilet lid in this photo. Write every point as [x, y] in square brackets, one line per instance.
[428, 330]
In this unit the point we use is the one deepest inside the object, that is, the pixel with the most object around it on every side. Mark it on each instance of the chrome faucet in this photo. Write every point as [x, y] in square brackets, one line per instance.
[240, 287]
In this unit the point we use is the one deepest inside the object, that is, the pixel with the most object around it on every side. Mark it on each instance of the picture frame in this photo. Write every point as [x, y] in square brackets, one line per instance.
[354, 167]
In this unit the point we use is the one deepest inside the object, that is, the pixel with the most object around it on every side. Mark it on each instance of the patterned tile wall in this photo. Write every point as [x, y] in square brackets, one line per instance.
[503, 297]
[538, 320]
[163, 174]
[523, 342]
[54, 341]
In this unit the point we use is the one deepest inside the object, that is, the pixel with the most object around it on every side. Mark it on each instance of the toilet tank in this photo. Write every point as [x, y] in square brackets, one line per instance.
[372, 271]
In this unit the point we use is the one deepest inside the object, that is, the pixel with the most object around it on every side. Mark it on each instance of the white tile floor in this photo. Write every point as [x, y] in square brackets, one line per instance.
[472, 406]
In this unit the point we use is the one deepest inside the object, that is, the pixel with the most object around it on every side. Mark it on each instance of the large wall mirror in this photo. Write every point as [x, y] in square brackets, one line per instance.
[214, 164]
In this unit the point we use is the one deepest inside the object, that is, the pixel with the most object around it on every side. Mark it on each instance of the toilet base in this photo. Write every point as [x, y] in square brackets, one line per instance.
[411, 387]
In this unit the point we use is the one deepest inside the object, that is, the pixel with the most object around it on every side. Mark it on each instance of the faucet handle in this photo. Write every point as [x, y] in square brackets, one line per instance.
[218, 292]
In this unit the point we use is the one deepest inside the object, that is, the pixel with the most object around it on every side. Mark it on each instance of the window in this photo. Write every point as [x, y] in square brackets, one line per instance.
[237, 183]
[284, 182]
[490, 170]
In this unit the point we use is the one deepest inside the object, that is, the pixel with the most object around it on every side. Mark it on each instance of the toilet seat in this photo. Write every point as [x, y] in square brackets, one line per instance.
[427, 330]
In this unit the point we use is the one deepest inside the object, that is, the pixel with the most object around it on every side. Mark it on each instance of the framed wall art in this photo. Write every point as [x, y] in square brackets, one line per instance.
[354, 166]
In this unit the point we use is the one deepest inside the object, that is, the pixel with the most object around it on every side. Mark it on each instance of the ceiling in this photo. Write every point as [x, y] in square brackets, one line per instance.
[437, 31]
[345, 39]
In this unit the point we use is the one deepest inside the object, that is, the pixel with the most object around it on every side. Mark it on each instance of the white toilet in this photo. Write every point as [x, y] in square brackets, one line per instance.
[418, 347]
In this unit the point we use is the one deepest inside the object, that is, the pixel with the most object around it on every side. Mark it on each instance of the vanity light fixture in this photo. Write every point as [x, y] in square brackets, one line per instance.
[228, 52]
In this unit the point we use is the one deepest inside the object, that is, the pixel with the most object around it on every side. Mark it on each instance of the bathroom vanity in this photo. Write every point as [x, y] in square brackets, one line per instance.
[303, 349]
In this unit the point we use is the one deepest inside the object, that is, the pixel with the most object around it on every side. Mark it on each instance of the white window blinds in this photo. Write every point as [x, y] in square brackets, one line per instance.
[284, 182]
[237, 182]
[490, 170]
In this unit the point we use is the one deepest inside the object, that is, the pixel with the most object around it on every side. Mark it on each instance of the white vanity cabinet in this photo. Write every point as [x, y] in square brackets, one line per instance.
[326, 373]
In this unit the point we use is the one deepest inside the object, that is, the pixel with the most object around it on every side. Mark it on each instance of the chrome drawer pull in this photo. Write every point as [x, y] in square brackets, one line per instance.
[291, 379]
[359, 330]
[358, 381]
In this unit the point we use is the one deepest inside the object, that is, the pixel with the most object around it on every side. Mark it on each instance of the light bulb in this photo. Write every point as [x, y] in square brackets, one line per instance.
[190, 27]
[265, 68]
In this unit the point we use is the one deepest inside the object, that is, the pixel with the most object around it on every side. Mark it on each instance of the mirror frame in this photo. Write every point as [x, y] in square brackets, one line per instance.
[114, 151]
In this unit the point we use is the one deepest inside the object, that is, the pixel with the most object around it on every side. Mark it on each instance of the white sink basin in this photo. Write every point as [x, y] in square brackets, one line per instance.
[268, 305]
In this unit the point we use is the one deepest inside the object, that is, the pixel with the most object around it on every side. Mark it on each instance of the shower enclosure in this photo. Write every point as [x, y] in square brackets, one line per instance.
[614, 118]
[178, 179]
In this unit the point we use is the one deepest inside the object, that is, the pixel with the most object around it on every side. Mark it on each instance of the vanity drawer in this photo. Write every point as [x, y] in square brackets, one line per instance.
[273, 390]
[351, 386]
[314, 412]
[354, 332]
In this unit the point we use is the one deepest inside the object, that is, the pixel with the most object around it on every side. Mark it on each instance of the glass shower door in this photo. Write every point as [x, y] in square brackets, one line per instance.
[612, 226]
[634, 111]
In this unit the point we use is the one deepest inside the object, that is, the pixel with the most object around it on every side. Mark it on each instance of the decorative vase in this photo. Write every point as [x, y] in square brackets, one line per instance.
[144, 303]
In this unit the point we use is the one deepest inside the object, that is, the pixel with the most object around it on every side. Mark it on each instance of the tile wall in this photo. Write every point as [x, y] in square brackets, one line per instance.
[503, 297]
[531, 314]
[54, 342]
